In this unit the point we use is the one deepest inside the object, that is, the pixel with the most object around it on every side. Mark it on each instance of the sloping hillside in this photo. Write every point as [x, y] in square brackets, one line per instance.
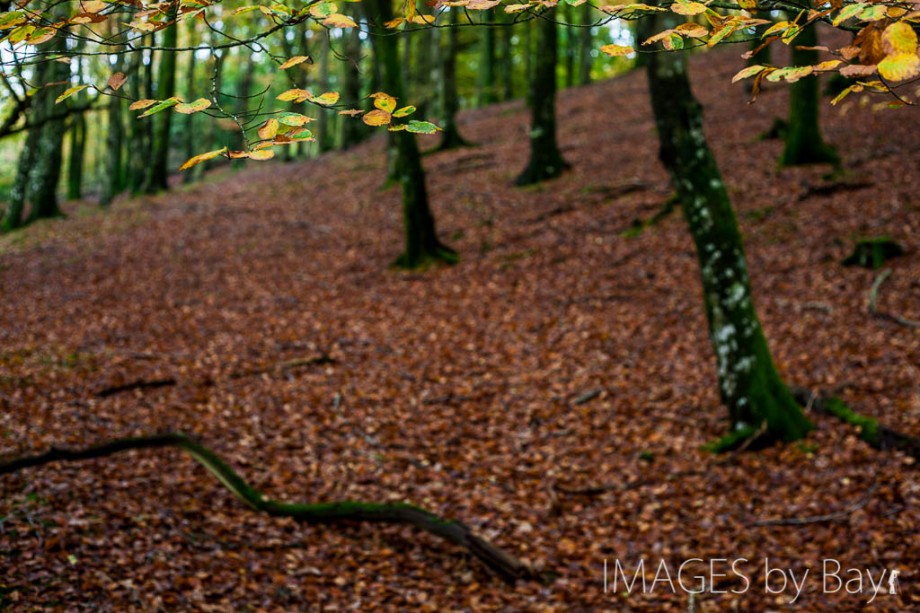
[552, 391]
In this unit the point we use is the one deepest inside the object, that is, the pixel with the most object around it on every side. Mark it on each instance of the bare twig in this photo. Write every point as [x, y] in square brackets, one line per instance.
[822, 519]
[873, 303]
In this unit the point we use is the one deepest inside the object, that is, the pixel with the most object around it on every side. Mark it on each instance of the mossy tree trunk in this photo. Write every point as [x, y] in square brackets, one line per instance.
[749, 384]
[804, 143]
[422, 244]
[545, 158]
[158, 173]
[450, 97]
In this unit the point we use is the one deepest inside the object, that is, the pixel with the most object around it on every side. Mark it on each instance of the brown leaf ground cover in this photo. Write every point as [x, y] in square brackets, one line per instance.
[552, 391]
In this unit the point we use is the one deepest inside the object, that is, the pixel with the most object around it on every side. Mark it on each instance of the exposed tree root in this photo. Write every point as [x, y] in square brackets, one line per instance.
[498, 561]
[878, 436]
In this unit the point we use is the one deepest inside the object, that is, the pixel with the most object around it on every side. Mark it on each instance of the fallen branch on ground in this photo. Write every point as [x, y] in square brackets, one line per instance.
[498, 561]
[873, 303]
[822, 519]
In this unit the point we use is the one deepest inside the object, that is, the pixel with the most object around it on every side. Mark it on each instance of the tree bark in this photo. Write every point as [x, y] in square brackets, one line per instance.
[749, 384]
[586, 44]
[158, 175]
[804, 143]
[545, 158]
[487, 61]
[422, 244]
[450, 97]
[353, 130]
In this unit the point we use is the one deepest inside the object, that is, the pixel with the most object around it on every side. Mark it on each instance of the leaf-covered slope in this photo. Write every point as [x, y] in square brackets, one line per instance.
[551, 391]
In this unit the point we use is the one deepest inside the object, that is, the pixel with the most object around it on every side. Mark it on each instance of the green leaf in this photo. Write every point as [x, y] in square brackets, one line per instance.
[848, 11]
[421, 127]
[404, 111]
[160, 106]
[293, 119]
[69, 92]
[748, 72]
[11, 20]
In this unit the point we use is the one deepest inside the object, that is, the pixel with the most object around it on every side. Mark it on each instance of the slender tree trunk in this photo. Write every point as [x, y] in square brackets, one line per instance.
[545, 158]
[749, 384]
[323, 133]
[140, 137]
[243, 92]
[804, 143]
[158, 176]
[571, 45]
[506, 62]
[422, 244]
[353, 130]
[192, 140]
[487, 61]
[75, 161]
[450, 97]
[113, 180]
[585, 44]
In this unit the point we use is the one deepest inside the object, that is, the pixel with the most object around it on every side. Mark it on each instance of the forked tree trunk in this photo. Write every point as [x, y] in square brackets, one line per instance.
[749, 384]
[422, 244]
[545, 159]
[804, 143]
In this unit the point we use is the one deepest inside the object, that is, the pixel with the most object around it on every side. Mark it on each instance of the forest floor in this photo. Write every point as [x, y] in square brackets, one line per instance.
[553, 390]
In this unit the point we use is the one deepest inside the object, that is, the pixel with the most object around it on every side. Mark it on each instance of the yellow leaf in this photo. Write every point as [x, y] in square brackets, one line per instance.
[93, 6]
[295, 95]
[692, 30]
[297, 59]
[201, 157]
[69, 92]
[141, 104]
[828, 65]
[384, 102]
[41, 35]
[687, 7]
[377, 118]
[394, 23]
[327, 99]
[900, 66]
[193, 107]
[269, 129]
[261, 154]
[482, 5]
[339, 21]
[899, 38]
[617, 50]
[750, 71]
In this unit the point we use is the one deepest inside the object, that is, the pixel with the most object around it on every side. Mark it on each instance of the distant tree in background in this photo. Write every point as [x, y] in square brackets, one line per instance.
[545, 158]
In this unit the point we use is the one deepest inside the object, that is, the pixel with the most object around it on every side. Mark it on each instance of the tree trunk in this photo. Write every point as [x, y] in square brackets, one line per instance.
[585, 44]
[804, 143]
[192, 140]
[545, 159]
[353, 130]
[75, 161]
[140, 132]
[12, 219]
[487, 61]
[570, 47]
[422, 244]
[324, 140]
[506, 59]
[158, 176]
[113, 173]
[450, 98]
[749, 384]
